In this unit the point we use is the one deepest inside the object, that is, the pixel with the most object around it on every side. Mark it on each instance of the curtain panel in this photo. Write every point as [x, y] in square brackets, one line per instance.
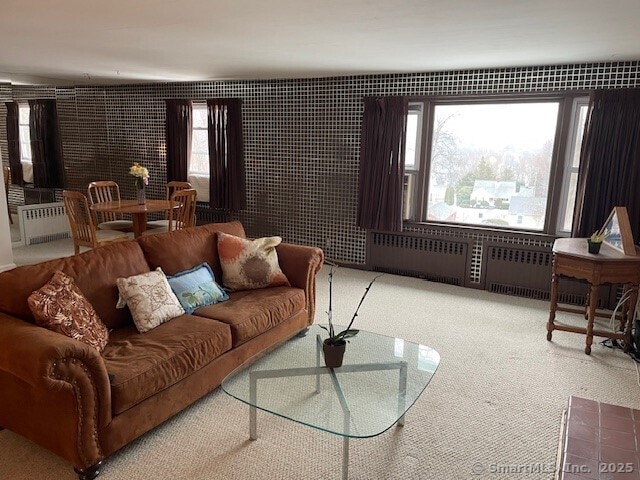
[609, 173]
[179, 129]
[46, 147]
[13, 143]
[381, 175]
[226, 154]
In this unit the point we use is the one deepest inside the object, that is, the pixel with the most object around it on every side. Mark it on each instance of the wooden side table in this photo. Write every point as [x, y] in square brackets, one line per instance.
[571, 258]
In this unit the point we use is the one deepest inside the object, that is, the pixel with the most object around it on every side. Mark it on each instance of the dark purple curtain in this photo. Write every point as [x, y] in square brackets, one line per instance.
[179, 121]
[13, 143]
[226, 154]
[609, 173]
[382, 163]
[46, 147]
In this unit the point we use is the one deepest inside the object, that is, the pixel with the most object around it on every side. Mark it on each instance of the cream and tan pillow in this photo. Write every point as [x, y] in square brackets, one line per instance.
[60, 306]
[248, 264]
[149, 298]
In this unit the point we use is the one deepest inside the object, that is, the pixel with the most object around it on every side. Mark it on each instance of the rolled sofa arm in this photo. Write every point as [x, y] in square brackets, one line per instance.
[55, 390]
[301, 264]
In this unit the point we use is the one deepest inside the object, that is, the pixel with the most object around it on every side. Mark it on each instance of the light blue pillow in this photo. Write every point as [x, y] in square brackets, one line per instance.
[197, 288]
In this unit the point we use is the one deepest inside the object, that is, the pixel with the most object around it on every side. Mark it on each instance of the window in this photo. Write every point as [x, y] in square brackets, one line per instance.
[570, 178]
[491, 162]
[25, 134]
[199, 161]
[198, 169]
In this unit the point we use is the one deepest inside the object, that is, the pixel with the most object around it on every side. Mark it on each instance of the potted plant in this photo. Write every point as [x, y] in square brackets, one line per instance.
[335, 344]
[595, 242]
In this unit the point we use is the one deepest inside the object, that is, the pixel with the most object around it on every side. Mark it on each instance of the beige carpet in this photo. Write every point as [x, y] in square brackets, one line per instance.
[497, 399]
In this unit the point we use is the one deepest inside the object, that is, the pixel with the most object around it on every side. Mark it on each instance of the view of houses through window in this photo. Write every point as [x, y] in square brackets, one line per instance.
[198, 169]
[25, 135]
[489, 164]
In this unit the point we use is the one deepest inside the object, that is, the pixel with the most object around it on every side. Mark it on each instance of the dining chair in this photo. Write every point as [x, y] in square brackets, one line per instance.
[107, 191]
[182, 214]
[83, 229]
[6, 172]
[172, 187]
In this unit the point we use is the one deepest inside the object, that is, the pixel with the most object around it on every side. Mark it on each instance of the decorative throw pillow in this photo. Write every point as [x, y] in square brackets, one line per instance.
[197, 288]
[150, 299]
[248, 264]
[60, 306]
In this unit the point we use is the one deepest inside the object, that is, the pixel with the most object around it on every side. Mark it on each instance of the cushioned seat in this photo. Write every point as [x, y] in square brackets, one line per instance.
[122, 225]
[252, 312]
[141, 365]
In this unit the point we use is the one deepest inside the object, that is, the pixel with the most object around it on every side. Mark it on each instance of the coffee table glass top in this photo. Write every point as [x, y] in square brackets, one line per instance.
[364, 398]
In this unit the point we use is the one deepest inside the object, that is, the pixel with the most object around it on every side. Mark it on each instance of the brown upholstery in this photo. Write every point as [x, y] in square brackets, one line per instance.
[83, 230]
[56, 391]
[252, 312]
[95, 272]
[140, 366]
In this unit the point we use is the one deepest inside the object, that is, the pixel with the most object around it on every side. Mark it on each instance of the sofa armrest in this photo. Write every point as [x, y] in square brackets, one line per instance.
[301, 265]
[56, 390]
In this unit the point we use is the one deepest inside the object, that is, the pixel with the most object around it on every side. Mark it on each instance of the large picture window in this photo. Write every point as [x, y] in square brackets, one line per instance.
[491, 162]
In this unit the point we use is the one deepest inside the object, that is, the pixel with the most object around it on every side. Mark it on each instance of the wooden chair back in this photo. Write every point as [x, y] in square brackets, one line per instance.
[183, 216]
[83, 230]
[172, 187]
[104, 191]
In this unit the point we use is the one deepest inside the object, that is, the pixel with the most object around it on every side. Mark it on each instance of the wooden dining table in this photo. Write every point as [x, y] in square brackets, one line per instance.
[137, 210]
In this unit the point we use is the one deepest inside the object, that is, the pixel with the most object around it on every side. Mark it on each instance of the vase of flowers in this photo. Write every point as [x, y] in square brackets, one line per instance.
[334, 346]
[595, 242]
[141, 175]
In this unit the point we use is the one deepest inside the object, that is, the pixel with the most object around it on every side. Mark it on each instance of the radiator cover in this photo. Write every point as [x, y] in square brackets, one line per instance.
[43, 222]
[439, 259]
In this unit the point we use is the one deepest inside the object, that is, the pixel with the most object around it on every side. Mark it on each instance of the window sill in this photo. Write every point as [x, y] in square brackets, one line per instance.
[481, 230]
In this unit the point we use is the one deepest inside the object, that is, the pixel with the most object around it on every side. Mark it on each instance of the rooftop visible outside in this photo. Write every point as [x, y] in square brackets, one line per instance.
[491, 163]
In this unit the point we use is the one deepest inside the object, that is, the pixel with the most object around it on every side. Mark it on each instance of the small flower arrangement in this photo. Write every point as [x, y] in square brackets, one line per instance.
[141, 175]
[597, 237]
[341, 337]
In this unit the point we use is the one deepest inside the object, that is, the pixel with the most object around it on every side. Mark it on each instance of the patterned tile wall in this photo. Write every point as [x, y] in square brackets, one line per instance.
[302, 137]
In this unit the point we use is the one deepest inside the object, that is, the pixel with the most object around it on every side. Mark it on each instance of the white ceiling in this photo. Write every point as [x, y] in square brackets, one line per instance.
[123, 41]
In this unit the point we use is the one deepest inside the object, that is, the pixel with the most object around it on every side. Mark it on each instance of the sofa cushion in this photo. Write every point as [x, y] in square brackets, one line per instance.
[197, 288]
[188, 248]
[252, 312]
[250, 264]
[95, 272]
[60, 306]
[141, 365]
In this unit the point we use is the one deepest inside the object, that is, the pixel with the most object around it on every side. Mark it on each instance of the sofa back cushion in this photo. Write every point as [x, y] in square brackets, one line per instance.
[181, 250]
[95, 272]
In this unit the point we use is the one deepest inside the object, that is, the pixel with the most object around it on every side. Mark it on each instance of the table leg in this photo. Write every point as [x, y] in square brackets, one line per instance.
[139, 223]
[253, 397]
[402, 394]
[345, 458]
[554, 301]
[593, 303]
[633, 299]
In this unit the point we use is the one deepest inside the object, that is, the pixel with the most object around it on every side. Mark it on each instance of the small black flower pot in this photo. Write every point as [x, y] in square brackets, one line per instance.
[594, 247]
[333, 354]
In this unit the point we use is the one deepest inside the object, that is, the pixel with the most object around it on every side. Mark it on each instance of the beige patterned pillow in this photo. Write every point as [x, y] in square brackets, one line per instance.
[248, 264]
[149, 298]
[60, 306]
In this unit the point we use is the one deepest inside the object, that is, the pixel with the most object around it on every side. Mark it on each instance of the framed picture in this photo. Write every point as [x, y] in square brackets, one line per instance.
[617, 231]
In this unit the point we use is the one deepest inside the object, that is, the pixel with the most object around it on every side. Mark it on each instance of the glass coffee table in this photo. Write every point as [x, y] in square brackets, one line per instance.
[380, 379]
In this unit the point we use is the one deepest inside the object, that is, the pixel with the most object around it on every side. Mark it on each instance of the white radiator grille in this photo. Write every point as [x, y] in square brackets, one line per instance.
[43, 222]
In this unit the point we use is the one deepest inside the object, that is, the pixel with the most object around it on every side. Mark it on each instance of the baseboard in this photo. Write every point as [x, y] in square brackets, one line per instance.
[8, 266]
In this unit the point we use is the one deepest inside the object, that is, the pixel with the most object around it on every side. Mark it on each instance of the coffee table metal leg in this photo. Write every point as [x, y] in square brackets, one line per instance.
[346, 425]
[318, 343]
[402, 393]
[253, 396]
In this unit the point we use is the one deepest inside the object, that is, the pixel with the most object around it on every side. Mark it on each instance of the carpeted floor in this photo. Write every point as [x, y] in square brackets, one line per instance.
[497, 399]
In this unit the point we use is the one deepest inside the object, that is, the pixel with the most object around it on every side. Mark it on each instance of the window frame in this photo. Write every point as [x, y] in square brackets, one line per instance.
[566, 102]
[199, 106]
[23, 157]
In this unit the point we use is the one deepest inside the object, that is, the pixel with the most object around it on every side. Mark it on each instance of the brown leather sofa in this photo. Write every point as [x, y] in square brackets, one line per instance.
[65, 396]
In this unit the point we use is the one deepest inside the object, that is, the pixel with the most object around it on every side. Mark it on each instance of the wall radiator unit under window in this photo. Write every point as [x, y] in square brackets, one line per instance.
[43, 222]
[525, 271]
[430, 257]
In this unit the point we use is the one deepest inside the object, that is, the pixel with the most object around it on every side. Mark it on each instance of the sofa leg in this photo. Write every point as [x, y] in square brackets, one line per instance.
[89, 473]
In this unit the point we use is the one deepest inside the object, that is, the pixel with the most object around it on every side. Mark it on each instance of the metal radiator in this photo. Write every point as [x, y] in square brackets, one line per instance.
[43, 222]
[206, 214]
[430, 257]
